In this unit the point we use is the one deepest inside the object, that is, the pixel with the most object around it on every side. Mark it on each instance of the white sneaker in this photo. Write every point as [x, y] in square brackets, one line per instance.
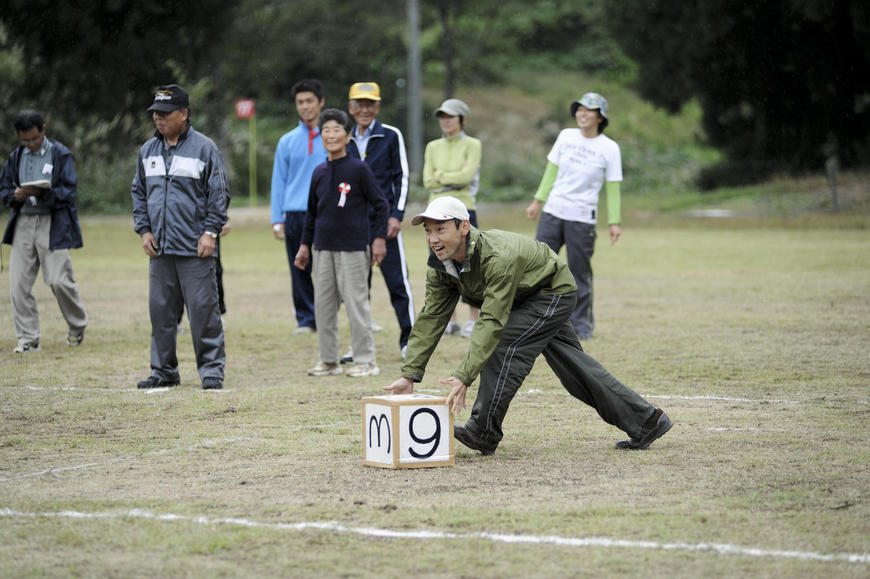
[467, 328]
[347, 358]
[25, 347]
[376, 327]
[404, 351]
[363, 369]
[325, 369]
[302, 330]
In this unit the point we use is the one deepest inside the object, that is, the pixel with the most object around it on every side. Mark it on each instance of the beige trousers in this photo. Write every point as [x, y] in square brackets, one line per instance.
[342, 276]
[29, 252]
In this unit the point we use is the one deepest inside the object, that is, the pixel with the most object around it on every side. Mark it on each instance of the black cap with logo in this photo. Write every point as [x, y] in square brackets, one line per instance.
[170, 98]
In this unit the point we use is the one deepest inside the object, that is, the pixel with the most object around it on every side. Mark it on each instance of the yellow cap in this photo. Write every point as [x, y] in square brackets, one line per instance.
[365, 90]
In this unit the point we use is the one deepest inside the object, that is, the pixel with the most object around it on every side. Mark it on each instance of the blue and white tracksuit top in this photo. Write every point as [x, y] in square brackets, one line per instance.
[386, 156]
[179, 203]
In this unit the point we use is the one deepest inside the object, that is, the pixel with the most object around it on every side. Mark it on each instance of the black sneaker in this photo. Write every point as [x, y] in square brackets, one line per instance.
[155, 382]
[212, 383]
[656, 427]
[75, 338]
[347, 358]
[473, 442]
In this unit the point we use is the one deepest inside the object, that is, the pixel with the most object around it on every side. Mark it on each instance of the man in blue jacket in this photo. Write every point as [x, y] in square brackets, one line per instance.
[296, 156]
[383, 150]
[38, 184]
[180, 195]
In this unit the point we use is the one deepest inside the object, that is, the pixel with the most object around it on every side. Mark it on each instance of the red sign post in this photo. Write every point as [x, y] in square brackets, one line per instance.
[245, 110]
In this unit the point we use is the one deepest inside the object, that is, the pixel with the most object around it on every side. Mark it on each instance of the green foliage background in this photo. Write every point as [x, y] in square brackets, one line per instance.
[696, 89]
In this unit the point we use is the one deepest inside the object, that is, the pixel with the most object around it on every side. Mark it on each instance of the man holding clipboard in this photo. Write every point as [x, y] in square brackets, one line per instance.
[38, 183]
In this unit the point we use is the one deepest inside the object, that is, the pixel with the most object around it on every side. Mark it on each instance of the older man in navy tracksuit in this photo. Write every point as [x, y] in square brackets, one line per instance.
[383, 150]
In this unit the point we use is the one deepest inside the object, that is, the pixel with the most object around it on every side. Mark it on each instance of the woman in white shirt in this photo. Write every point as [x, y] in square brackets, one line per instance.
[581, 161]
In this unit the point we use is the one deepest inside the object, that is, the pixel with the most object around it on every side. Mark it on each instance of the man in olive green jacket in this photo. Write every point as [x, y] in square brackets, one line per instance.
[526, 294]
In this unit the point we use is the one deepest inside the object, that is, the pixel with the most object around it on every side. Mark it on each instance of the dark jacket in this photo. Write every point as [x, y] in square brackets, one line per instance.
[386, 157]
[178, 204]
[333, 227]
[65, 232]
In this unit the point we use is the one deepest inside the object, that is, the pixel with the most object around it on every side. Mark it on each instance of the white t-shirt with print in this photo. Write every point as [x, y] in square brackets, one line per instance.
[584, 165]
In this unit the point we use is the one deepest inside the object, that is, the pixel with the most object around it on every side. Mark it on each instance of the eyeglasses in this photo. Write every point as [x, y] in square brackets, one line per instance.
[366, 104]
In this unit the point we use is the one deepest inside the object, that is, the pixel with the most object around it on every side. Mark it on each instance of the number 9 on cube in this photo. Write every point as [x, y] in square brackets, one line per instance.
[407, 431]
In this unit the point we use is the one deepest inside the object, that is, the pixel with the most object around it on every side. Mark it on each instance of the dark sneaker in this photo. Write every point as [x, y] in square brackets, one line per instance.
[452, 328]
[75, 338]
[656, 427]
[473, 442]
[347, 358]
[155, 382]
[212, 383]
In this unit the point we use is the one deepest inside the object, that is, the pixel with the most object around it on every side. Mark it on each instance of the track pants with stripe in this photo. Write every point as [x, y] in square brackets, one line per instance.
[541, 325]
[394, 268]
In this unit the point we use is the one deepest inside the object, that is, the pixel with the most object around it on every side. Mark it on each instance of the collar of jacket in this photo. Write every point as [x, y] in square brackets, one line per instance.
[458, 137]
[376, 129]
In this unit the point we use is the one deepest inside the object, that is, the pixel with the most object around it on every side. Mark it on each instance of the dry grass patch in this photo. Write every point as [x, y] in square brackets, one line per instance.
[754, 341]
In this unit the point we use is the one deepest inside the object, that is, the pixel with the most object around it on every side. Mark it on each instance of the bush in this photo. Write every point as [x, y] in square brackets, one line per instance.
[736, 174]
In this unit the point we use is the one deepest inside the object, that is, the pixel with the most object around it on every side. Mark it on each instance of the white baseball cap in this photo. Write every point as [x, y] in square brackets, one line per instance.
[443, 209]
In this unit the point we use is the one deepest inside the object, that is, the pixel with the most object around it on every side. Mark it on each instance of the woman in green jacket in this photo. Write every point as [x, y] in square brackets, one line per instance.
[451, 166]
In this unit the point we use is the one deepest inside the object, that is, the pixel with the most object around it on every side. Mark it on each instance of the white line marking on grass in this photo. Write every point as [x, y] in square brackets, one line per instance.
[203, 444]
[103, 390]
[336, 527]
[735, 429]
[75, 389]
[719, 398]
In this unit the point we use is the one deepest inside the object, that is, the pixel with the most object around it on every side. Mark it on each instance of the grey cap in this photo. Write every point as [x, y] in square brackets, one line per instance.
[590, 100]
[453, 108]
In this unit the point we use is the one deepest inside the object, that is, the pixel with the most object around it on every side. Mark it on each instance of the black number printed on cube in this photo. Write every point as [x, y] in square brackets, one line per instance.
[434, 438]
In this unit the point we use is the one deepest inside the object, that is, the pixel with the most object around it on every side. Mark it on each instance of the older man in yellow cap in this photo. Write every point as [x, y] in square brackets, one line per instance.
[383, 150]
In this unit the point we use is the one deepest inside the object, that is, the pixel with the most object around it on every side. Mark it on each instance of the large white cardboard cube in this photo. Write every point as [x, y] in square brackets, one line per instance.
[407, 431]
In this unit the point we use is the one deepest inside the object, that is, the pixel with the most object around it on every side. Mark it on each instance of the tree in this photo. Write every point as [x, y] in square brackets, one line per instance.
[784, 84]
[473, 42]
[104, 56]
[338, 42]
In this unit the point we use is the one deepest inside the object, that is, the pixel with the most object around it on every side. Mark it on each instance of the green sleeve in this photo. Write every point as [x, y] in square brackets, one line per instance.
[613, 202]
[547, 181]
[442, 295]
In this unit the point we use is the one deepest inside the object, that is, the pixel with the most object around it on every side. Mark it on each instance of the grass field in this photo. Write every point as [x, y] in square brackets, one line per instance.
[754, 339]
